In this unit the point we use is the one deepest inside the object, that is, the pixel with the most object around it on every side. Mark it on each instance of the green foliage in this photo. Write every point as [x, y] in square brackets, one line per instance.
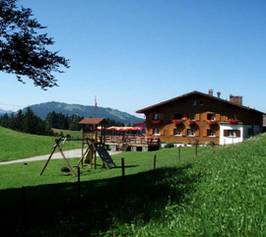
[24, 49]
[25, 122]
[66, 133]
[62, 121]
[169, 145]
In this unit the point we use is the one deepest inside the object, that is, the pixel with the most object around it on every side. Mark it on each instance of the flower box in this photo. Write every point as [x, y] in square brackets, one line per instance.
[192, 122]
[233, 121]
[177, 122]
[156, 121]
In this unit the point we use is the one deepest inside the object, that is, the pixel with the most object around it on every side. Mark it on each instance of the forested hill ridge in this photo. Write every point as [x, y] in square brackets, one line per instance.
[43, 109]
[4, 111]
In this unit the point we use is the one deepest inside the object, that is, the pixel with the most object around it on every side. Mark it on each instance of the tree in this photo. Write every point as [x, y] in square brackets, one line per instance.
[23, 50]
[18, 121]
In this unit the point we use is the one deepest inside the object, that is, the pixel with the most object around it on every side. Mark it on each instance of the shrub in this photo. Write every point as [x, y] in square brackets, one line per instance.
[169, 145]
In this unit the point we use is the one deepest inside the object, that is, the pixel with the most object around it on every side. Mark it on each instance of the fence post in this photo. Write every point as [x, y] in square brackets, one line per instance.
[78, 181]
[123, 167]
[196, 149]
[154, 161]
[179, 153]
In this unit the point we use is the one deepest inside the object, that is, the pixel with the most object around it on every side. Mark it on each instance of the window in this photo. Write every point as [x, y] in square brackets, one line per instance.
[177, 132]
[211, 133]
[178, 116]
[156, 116]
[191, 132]
[232, 116]
[233, 133]
[211, 116]
[155, 131]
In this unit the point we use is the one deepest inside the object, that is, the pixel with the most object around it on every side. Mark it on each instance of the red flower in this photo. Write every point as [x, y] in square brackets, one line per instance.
[177, 121]
[233, 121]
[192, 122]
[156, 121]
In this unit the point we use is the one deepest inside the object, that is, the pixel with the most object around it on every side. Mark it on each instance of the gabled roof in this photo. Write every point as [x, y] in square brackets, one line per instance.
[194, 93]
[91, 121]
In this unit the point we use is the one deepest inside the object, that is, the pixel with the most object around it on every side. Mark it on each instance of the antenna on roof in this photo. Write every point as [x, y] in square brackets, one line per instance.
[95, 107]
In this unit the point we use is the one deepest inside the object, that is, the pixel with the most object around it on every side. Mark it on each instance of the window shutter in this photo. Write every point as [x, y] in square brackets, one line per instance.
[226, 133]
[238, 133]
[205, 116]
[198, 117]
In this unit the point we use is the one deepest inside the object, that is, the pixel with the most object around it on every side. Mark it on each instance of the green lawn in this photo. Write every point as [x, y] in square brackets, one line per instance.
[221, 192]
[18, 175]
[16, 145]
[73, 134]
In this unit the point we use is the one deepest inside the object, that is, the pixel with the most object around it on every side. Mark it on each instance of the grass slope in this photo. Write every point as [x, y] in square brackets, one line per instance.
[16, 145]
[73, 134]
[222, 192]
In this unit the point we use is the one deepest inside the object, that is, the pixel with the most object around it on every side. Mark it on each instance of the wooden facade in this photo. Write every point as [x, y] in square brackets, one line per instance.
[196, 117]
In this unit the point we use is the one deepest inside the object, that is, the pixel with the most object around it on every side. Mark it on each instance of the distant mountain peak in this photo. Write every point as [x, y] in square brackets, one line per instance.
[2, 111]
[43, 109]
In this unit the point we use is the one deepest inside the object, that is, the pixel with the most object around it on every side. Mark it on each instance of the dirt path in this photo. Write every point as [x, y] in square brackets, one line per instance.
[69, 154]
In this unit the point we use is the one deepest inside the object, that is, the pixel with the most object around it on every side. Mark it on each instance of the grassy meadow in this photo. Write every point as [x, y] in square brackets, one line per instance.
[221, 192]
[17, 145]
[73, 134]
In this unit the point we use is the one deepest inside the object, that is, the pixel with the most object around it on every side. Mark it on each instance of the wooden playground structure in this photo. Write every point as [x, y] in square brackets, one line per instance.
[96, 137]
[92, 142]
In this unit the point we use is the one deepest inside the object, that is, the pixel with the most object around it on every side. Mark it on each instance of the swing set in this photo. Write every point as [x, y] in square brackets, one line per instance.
[92, 142]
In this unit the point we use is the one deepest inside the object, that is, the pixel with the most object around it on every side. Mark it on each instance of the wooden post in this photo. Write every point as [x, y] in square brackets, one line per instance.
[154, 161]
[67, 161]
[95, 160]
[123, 167]
[55, 146]
[179, 153]
[82, 152]
[78, 181]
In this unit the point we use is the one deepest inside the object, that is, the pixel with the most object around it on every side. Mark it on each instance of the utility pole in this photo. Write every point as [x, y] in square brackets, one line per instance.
[95, 107]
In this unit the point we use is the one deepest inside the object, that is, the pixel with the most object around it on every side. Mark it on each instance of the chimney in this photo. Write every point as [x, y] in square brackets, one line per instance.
[218, 94]
[237, 100]
[210, 92]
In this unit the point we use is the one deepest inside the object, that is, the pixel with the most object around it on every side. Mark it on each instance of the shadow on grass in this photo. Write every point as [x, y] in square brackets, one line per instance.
[57, 210]
[126, 166]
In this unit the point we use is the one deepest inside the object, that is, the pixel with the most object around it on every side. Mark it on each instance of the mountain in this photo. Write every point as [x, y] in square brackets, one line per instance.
[4, 111]
[84, 111]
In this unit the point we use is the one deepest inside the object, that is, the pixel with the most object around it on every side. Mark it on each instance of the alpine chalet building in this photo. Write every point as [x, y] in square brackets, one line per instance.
[202, 118]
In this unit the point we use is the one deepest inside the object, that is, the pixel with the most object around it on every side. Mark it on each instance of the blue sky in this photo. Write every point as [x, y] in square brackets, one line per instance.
[133, 53]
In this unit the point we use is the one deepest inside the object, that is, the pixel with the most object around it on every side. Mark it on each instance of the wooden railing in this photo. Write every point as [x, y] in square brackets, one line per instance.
[128, 139]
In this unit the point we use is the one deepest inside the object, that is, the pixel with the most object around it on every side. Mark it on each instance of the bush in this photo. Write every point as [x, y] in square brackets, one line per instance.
[169, 145]
[210, 143]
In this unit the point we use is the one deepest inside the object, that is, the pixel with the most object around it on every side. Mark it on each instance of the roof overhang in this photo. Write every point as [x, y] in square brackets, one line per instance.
[91, 121]
[193, 93]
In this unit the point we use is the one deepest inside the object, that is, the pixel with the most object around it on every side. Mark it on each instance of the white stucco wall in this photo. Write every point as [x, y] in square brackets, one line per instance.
[244, 133]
